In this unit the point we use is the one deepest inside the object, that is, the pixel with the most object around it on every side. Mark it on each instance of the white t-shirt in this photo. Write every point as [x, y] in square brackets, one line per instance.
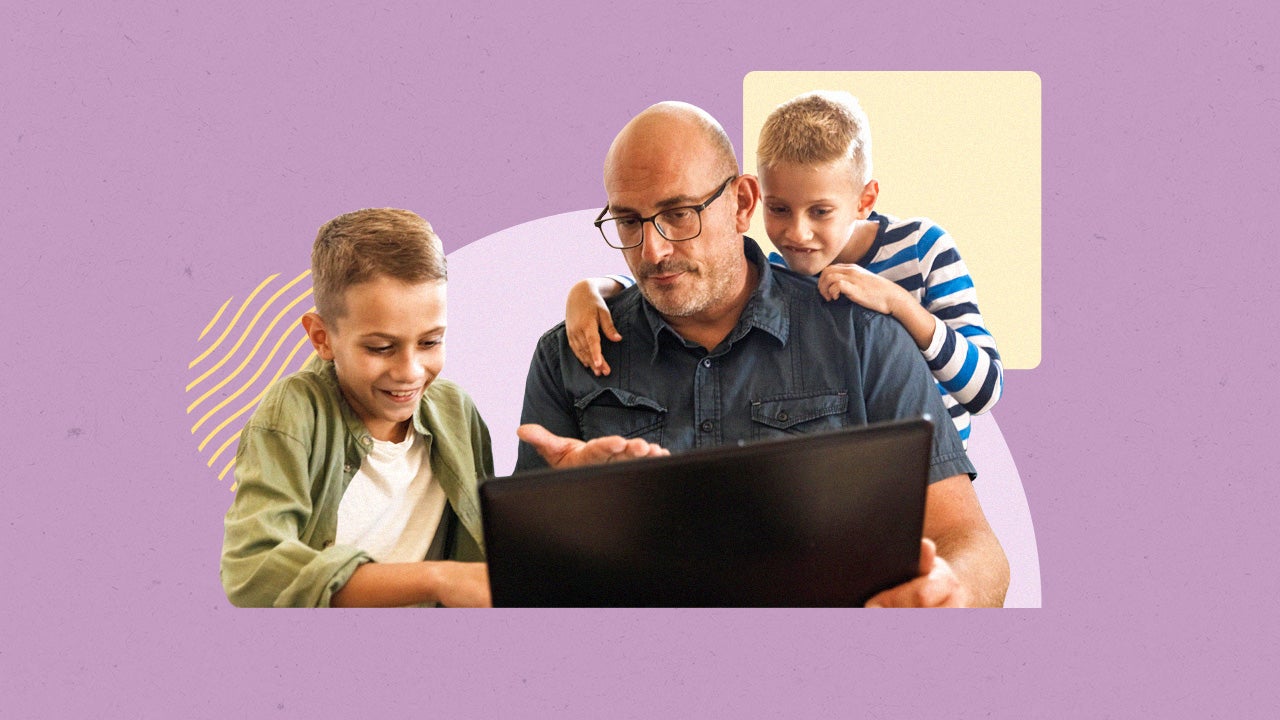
[392, 506]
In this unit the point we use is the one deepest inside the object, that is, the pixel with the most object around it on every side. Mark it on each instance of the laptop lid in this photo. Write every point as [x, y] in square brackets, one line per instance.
[816, 520]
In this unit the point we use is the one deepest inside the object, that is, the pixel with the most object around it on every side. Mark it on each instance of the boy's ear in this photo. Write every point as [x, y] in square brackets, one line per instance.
[746, 189]
[867, 200]
[319, 335]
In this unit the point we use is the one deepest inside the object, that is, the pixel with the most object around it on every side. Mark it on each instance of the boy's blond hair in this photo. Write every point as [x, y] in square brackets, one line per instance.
[817, 128]
[362, 245]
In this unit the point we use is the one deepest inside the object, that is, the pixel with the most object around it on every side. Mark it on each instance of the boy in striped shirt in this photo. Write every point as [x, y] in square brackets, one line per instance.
[814, 159]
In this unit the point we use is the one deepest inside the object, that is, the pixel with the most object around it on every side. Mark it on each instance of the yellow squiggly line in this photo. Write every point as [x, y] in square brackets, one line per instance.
[256, 346]
[214, 458]
[249, 405]
[223, 474]
[230, 325]
[221, 448]
[243, 335]
[216, 315]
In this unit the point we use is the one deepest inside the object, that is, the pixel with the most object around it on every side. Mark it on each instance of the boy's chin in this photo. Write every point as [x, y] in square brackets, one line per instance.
[804, 264]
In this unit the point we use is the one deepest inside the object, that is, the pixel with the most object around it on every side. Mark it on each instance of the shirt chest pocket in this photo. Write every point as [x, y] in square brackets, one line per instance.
[613, 411]
[799, 414]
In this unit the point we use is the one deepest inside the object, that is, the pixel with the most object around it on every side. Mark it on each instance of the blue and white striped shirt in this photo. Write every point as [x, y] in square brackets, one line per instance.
[922, 259]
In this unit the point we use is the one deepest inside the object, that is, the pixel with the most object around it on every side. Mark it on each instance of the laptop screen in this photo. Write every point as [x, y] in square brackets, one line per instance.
[818, 520]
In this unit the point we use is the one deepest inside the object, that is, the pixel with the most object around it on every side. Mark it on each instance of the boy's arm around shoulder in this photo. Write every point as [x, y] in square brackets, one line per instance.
[586, 317]
[265, 561]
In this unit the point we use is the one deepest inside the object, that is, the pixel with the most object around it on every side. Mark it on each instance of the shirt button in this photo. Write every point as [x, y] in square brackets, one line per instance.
[706, 362]
[783, 416]
[707, 426]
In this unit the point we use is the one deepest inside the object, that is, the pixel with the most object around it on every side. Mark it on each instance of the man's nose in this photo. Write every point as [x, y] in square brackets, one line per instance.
[655, 247]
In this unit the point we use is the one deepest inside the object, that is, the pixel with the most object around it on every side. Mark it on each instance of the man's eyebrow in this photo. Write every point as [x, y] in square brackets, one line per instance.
[676, 201]
[673, 201]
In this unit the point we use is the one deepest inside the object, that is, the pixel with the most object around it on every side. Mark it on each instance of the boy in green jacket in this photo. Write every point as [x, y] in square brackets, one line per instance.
[356, 477]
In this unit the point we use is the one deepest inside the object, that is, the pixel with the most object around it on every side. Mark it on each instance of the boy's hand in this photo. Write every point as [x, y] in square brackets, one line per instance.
[562, 452]
[936, 586]
[584, 312]
[861, 286]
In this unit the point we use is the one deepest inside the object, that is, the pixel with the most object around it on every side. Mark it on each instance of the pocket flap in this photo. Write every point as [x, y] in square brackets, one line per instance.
[616, 397]
[789, 410]
[613, 411]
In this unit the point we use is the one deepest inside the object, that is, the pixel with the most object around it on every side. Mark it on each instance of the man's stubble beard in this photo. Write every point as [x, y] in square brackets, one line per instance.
[713, 284]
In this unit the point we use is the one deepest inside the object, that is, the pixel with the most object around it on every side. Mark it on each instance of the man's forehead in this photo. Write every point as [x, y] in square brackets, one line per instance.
[644, 188]
[654, 170]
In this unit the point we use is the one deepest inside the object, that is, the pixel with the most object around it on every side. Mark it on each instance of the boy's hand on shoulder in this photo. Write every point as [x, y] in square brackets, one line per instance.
[585, 315]
[861, 286]
[562, 452]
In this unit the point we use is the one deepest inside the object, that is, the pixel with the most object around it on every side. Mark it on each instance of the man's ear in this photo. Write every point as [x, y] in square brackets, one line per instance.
[746, 189]
[319, 335]
[867, 200]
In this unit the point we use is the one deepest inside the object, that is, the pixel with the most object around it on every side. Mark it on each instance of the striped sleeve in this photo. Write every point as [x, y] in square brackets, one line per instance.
[962, 355]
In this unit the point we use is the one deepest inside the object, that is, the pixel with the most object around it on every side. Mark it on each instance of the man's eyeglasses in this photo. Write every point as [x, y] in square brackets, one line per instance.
[675, 224]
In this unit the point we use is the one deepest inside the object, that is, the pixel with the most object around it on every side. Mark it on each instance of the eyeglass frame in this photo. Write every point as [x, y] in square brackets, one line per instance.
[601, 219]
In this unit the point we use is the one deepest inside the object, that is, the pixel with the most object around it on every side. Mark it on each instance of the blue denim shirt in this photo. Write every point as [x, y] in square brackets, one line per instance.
[793, 364]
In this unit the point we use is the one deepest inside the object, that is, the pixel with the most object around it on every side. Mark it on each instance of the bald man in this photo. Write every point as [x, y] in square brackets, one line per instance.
[719, 346]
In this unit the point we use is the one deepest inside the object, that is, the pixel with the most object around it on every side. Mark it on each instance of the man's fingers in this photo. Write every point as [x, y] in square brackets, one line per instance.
[635, 448]
[601, 450]
[533, 433]
[904, 595]
[570, 452]
[928, 551]
[639, 447]
[550, 447]
[923, 591]
[936, 585]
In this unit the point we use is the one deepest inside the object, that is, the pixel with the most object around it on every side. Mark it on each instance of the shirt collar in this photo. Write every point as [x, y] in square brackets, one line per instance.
[447, 455]
[765, 309]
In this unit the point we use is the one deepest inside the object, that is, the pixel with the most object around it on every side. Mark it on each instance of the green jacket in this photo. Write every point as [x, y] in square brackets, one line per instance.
[297, 454]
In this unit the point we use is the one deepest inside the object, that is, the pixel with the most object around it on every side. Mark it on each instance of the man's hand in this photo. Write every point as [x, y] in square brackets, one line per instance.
[562, 452]
[585, 316]
[936, 585]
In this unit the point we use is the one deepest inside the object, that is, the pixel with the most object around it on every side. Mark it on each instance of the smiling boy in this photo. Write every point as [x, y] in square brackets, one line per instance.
[356, 477]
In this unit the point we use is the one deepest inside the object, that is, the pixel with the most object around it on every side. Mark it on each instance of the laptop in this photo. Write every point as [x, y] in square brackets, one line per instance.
[821, 520]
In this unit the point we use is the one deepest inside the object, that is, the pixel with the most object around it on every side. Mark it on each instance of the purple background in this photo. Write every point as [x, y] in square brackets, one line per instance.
[155, 161]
